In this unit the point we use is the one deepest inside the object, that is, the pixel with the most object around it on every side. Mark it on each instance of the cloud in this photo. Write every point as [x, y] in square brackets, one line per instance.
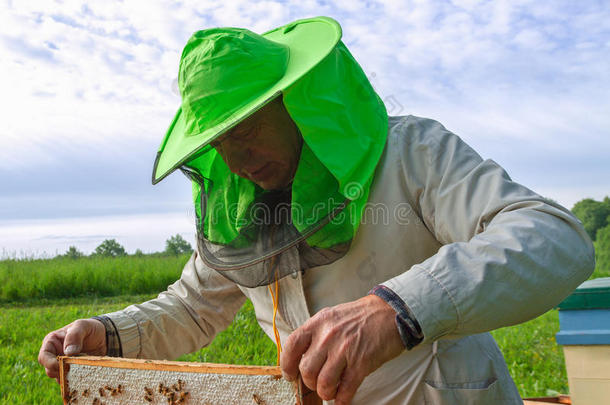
[90, 84]
[43, 238]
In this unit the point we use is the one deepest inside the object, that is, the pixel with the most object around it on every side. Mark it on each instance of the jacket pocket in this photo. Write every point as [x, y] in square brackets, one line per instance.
[484, 392]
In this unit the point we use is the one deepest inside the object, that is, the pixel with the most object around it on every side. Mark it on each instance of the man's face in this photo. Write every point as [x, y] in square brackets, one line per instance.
[264, 148]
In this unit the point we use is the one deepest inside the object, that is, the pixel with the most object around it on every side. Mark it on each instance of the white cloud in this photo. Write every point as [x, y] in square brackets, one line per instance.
[54, 236]
[80, 76]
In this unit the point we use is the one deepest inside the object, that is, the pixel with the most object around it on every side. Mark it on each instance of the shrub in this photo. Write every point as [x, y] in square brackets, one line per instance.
[176, 245]
[110, 248]
[73, 253]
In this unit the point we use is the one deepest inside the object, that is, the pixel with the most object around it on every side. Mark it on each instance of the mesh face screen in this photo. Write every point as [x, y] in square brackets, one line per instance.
[269, 231]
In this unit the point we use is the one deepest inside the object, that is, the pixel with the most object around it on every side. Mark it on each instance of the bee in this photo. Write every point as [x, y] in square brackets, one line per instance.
[71, 397]
[183, 397]
[161, 388]
[257, 400]
[96, 401]
[180, 384]
[114, 392]
[101, 391]
[149, 399]
[175, 387]
[86, 393]
[149, 391]
[120, 389]
[108, 388]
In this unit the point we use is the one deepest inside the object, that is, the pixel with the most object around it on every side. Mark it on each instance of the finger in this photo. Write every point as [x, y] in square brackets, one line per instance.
[294, 348]
[329, 377]
[47, 356]
[310, 365]
[75, 335]
[350, 381]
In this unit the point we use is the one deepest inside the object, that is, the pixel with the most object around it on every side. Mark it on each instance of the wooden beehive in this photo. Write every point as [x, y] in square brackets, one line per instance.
[111, 380]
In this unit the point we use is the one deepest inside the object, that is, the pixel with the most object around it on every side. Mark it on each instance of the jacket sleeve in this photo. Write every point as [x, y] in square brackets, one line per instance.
[182, 319]
[508, 254]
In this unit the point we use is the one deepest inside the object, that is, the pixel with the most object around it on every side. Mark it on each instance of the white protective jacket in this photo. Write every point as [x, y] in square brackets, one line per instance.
[465, 247]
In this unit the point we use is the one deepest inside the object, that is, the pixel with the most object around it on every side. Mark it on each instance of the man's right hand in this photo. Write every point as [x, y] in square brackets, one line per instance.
[81, 336]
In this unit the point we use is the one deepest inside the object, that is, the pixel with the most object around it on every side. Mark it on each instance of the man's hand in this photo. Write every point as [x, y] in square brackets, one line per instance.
[339, 346]
[81, 336]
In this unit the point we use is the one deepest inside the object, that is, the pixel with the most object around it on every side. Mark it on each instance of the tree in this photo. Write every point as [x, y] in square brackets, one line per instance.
[138, 253]
[110, 248]
[73, 253]
[176, 245]
[593, 214]
[602, 251]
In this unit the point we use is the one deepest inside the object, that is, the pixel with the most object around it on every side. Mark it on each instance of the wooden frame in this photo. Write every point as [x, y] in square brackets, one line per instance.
[303, 396]
[562, 399]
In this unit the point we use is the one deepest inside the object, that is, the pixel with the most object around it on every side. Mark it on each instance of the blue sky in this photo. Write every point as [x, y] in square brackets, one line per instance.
[89, 90]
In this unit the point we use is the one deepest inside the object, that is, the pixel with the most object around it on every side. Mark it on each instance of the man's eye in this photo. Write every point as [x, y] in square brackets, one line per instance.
[244, 134]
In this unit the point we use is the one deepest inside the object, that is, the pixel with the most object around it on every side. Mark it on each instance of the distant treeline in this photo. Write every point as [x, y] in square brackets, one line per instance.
[174, 246]
[110, 271]
[595, 217]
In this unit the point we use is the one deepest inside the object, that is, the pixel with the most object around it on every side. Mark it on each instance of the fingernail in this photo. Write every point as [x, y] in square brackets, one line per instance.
[72, 349]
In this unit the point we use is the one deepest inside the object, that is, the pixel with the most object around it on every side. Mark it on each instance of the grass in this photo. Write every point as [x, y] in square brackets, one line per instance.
[534, 359]
[22, 280]
[22, 328]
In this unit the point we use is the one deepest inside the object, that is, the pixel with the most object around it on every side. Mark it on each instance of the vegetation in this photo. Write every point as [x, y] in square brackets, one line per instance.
[602, 251]
[594, 215]
[110, 248]
[23, 326]
[61, 277]
[37, 296]
[534, 359]
[73, 253]
[176, 245]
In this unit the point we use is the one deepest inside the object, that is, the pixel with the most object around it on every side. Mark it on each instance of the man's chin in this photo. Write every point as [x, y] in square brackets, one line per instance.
[272, 184]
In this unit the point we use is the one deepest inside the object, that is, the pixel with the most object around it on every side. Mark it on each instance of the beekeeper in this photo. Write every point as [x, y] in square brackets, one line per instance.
[378, 251]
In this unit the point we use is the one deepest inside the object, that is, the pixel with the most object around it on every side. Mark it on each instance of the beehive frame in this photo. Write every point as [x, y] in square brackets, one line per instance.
[110, 380]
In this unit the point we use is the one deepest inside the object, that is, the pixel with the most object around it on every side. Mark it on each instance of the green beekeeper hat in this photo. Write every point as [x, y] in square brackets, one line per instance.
[227, 74]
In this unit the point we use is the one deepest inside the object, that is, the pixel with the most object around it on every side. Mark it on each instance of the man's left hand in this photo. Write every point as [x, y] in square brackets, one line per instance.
[339, 346]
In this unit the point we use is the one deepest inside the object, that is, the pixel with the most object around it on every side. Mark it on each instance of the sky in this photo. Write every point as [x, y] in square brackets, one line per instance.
[89, 89]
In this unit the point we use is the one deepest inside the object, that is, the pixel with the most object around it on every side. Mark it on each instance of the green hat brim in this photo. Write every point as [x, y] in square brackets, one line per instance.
[309, 40]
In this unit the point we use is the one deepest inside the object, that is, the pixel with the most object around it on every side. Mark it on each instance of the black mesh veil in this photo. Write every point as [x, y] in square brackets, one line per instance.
[254, 257]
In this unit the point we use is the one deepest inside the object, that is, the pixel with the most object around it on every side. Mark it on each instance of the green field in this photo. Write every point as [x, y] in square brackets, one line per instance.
[23, 326]
[534, 359]
[22, 280]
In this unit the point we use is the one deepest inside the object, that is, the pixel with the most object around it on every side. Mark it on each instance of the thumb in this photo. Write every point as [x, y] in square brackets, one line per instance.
[73, 342]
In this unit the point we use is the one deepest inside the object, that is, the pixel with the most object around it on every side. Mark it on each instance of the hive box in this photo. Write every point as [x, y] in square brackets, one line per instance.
[584, 321]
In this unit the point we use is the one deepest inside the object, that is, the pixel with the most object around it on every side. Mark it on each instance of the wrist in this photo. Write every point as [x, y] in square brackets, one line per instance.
[405, 322]
[112, 347]
[386, 326]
